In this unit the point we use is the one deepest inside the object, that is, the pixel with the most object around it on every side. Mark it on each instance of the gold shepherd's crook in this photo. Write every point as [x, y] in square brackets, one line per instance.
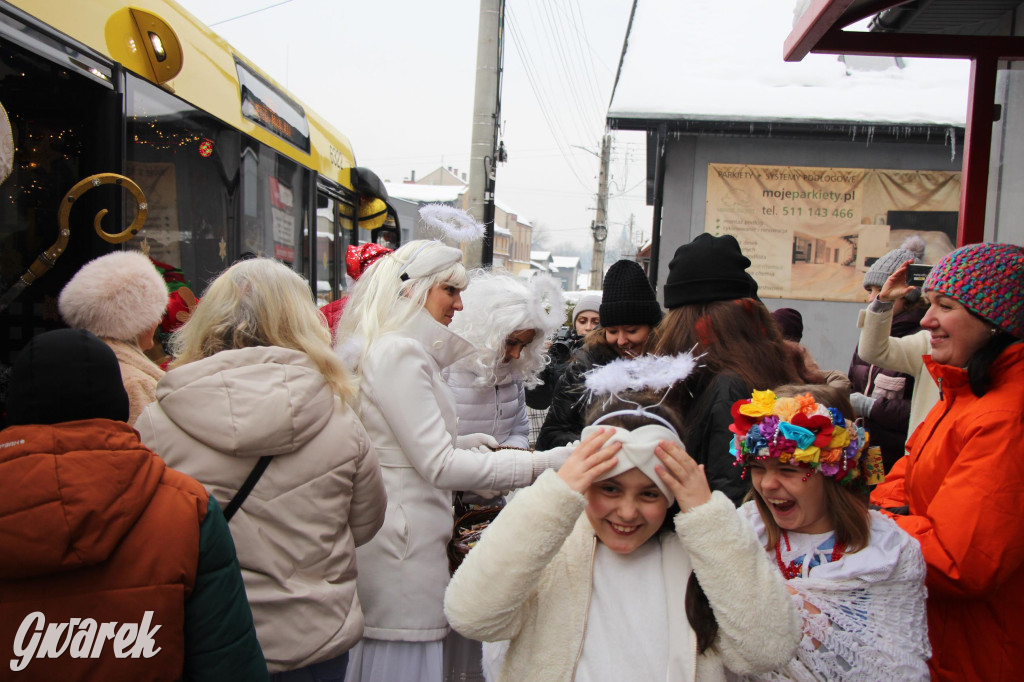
[47, 259]
[82, 186]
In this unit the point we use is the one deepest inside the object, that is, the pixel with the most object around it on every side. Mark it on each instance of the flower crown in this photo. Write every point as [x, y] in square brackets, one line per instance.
[801, 431]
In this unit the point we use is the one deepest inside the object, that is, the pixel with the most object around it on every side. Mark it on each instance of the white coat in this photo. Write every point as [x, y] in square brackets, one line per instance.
[319, 498]
[498, 410]
[899, 354]
[530, 579]
[409, 413]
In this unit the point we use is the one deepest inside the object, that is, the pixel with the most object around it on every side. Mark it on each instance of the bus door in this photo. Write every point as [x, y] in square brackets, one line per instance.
[64, 107]
[331, 240]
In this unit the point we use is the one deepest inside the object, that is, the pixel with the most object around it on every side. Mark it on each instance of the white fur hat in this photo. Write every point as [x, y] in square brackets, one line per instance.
[117, 296]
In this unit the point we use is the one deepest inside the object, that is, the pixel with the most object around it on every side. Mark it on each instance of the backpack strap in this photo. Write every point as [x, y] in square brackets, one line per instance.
[247, 487]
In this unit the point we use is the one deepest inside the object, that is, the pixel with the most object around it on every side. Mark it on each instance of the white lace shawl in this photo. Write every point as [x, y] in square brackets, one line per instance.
[872, 624]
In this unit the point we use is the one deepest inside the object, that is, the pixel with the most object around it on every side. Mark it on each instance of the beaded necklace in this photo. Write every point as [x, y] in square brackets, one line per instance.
[792, 569]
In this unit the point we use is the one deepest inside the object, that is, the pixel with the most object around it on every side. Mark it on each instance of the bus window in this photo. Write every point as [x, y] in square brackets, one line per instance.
[186, 162]
[275, 205]
[326, 264]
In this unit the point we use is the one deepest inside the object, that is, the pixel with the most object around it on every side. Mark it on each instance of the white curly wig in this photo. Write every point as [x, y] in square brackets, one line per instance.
[497, 305]
[116, 296]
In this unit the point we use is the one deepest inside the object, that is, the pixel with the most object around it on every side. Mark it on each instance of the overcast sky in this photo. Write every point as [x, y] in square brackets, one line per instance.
[397, 78]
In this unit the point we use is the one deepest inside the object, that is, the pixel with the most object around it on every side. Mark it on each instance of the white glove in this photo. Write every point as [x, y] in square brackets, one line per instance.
[472, 441]
[862, 404]
[555, 457]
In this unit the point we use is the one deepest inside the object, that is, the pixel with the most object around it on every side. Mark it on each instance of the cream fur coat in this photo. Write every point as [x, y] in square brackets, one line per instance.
[529, 580]
[139, 375]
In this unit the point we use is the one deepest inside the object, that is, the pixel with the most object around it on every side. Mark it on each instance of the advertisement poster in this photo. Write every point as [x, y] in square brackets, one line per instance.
[159, 183]
[281, 205]
[811, 233]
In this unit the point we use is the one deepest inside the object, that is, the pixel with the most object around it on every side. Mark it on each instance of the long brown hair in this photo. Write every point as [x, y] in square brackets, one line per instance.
[698, 609]
[847, 511]
[735, 337]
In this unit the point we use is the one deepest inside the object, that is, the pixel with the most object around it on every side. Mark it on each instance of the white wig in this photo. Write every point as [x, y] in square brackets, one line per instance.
[498, 305]
[392, 291]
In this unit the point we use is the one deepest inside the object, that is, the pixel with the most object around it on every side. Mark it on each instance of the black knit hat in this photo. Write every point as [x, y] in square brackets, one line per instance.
[628, 297]
[708, 269]
[63, 376]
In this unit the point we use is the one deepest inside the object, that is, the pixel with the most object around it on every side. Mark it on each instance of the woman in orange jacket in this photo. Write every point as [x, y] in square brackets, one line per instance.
[960, 488]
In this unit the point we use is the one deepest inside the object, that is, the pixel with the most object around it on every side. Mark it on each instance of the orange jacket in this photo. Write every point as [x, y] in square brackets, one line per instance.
[963, 480]
[93, 525]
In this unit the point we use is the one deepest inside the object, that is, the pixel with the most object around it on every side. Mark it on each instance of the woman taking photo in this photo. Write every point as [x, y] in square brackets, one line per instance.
[960, 489]
[256, 394]
[395, 333]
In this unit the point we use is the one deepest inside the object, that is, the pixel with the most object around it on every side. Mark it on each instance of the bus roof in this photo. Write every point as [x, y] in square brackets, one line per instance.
[208, 78]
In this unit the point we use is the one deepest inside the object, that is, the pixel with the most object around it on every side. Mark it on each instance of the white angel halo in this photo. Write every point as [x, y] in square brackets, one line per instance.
[647, 372]
[448, 221]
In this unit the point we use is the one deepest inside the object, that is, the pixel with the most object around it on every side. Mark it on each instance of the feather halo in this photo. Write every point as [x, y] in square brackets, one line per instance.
[647, 372]
[448, 221]
[547, 303]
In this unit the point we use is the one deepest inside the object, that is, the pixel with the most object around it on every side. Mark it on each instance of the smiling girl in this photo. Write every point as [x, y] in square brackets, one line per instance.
[857, 579]
[623, 565]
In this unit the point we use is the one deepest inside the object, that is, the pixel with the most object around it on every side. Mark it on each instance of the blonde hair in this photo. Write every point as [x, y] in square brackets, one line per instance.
[382, 302]
[261, 302]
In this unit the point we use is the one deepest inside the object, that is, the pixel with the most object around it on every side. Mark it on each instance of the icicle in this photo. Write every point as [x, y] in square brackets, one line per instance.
[871, 135]
[951, 141]
[853, 133]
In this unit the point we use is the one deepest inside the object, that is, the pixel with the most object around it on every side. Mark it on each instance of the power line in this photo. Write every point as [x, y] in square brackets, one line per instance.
[553, 127]
[247, 14]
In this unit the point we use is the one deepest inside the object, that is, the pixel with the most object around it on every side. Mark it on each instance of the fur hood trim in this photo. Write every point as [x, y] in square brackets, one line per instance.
[116, 296]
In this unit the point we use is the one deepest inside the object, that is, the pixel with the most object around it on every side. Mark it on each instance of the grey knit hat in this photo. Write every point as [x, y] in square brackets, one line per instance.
[911, 249]
[588, 302]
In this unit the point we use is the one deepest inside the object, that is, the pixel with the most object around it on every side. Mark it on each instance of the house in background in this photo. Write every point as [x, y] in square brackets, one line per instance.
[512, 234]
[741, 142]
[566, 269]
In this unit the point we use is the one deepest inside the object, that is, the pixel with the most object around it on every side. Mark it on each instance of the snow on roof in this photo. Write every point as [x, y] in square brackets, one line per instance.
[426, 194]
[565, 261]
[502, 231]
[540, 255]
[715, 60]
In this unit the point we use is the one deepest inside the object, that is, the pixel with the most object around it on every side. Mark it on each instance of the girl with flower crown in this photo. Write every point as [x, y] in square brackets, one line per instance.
[855, 576]
[612, 568]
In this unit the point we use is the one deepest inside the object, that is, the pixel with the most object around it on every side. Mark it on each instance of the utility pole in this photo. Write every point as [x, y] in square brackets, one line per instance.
[486, 113]
[600, 225]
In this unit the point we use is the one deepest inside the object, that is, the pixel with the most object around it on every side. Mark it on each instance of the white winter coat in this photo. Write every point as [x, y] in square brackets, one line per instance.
[899, 354]
[498, 410]
[409, 412]
[530, 579]
[319, 498]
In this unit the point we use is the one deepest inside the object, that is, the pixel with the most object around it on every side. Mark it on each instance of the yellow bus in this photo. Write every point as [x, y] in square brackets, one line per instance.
[227, 163]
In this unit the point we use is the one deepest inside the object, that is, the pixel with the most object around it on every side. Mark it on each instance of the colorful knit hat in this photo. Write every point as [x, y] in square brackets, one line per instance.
[800, 431]
[988, 279]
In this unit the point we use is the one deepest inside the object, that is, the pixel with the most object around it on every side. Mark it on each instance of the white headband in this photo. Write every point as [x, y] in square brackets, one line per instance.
[431, 262]
[637, 450]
